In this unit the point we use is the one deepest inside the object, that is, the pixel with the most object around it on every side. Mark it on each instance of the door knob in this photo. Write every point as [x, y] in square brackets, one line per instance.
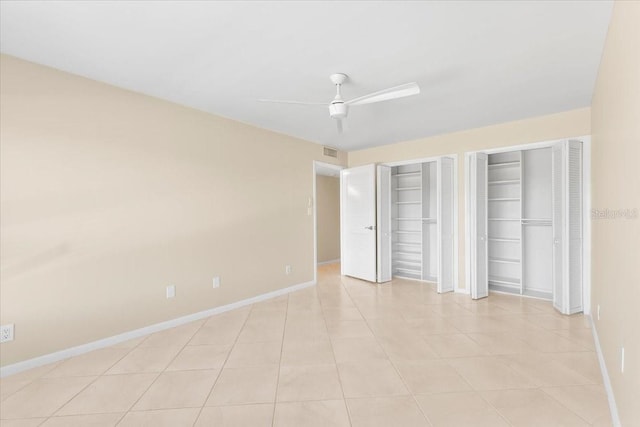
[371, 227]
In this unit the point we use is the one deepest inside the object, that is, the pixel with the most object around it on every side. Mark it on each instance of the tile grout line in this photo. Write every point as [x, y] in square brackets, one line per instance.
[159, 374]
[389, 358]
[324, 319]
[475, 390]
[275, 395]
[90, 383]
[565, 406]
[30, 381]
[204, 403]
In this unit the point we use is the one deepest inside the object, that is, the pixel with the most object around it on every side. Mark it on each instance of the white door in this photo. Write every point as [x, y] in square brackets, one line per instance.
[358, 222]
[384, 223]
[445, 224]
[479, 224]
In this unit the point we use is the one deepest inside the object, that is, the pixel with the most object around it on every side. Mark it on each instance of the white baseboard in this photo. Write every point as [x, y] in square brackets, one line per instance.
[331, 261]
[615, 418]
[147, 330]
[461, 290]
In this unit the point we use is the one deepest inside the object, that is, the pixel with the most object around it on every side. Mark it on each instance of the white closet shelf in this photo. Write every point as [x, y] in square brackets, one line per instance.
[408, 174]
[409, 263]
[536, 221]
[406, 253]
[407, 188]
[507, 288]
[505, 239]
[505, 181]
[414, 245]
[408, 203]
[408, 270]
[409, 219]
[504, 260]
[513, 281]
[504, 164]
[504, 199]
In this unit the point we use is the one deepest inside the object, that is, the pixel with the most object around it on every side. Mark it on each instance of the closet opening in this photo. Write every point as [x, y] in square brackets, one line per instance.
[526, 218]
[400, 220]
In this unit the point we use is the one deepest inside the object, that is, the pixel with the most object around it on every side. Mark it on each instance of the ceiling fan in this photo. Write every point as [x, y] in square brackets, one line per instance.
[339, 108]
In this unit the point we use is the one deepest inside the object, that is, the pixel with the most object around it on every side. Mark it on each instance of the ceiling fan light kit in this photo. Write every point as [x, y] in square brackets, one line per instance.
[339, 109]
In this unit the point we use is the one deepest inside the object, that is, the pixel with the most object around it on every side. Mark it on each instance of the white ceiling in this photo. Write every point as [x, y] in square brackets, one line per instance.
[478, 63]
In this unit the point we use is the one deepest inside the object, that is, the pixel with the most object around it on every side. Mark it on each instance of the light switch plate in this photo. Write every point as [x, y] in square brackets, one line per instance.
[171, 291]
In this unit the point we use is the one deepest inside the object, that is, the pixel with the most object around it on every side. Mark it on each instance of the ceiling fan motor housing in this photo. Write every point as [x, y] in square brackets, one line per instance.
[338, 110]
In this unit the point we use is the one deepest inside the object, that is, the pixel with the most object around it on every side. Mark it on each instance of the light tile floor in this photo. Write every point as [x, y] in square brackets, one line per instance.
[343, 353]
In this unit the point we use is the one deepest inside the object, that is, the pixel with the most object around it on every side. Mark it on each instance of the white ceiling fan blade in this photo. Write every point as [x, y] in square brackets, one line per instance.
[280, 101]
[401, 91]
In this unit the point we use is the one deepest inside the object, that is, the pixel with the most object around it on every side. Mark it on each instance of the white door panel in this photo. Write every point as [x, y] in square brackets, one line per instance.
[479, 223]
[445, 224]
[567, 227]
[358, 222]
[384, 223]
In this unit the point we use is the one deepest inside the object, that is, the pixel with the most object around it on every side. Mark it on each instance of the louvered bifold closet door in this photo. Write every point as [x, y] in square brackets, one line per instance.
[445, 225]
[567, 227]
[575, 227]
[383, 219]
[558, 222]
[479, 225]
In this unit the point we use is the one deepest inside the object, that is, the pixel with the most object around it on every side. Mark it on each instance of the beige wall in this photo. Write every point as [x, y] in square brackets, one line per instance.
[616, 185]
[328, 217]
[108, 196]
[545, 128]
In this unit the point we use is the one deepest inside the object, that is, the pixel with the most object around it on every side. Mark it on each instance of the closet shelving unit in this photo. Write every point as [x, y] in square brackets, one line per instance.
[526, 223]
[519, 220]
[406, 218]
[414, 221]
[504, 219]
[537, 225]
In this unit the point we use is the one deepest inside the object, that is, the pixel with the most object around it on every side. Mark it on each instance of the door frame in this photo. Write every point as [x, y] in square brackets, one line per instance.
[586, 207]
[454, 156]
[313, 203]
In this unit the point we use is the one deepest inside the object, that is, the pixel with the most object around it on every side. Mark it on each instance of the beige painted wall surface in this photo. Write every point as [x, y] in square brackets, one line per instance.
[616, 185]
[328, 217]
[545, 128]
[108, 196]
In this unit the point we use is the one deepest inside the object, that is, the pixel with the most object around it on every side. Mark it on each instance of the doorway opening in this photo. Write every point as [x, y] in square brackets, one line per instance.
[326, 206]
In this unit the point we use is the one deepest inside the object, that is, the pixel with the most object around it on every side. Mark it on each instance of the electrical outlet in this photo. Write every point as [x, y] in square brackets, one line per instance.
[216, 282]
[598, 311]
[6, 333]
[287, 269]
[171, 291]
